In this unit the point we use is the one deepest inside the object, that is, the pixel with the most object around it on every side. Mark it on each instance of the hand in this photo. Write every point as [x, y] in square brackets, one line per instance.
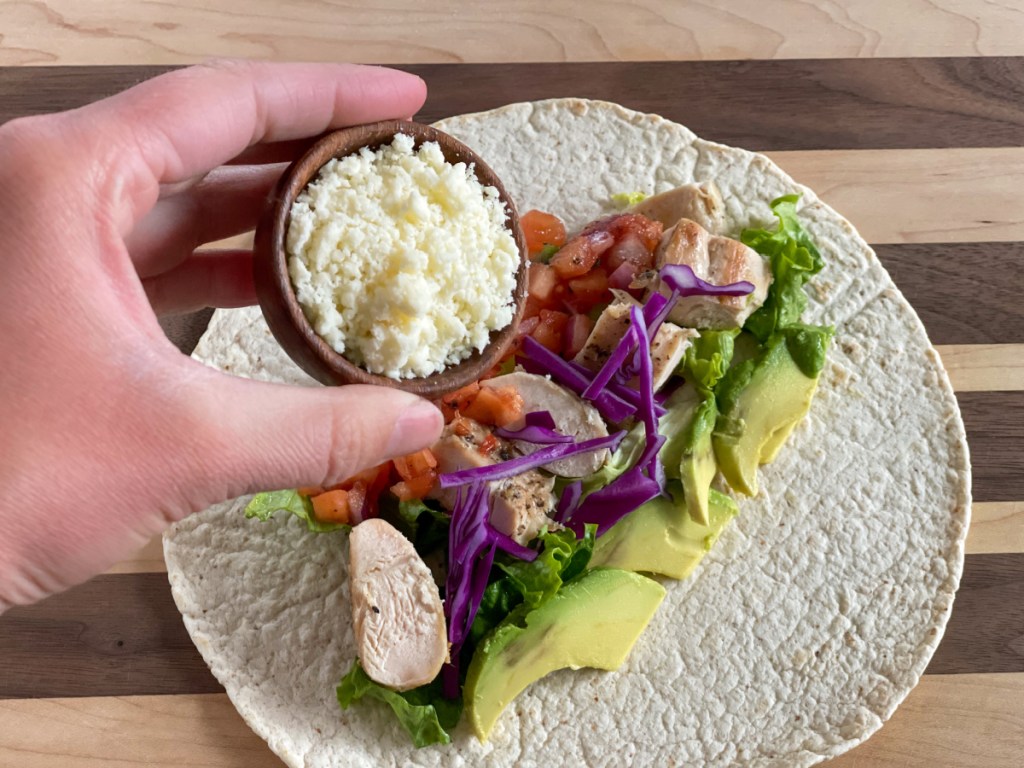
[109, 433]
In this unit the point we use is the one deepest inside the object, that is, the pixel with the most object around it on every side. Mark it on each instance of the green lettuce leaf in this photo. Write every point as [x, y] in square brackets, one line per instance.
[793, 258]
[627, 199]
[424, 526]
[423, 711]
[264, 505]
[525, 586]
[622, 459]
[708, 358]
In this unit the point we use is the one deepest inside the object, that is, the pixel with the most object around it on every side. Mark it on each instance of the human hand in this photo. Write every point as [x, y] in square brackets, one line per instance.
[110, 433]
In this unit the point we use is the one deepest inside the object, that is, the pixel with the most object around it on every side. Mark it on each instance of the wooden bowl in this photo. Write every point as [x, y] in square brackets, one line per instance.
[277, 295]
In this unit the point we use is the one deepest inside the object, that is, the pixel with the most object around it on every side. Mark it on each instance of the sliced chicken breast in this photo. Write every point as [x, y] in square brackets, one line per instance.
[701, 203]
[572, 417]
[521, 505]
[667, 348]
[396, 608]
[458, 448]
[719, 261]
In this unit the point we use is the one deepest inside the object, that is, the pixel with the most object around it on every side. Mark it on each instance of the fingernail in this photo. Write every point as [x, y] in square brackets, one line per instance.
[417, 427]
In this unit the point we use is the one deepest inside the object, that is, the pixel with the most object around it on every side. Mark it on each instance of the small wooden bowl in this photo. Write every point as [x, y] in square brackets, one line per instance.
[277, 295]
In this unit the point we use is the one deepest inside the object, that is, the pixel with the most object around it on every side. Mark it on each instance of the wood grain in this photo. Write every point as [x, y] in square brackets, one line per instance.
[986, 629]
[919, 195]
[121, 635]
[996, 526]
[154, 731]
[950, 722]
[113, 635]
[984, 367]
[945, 722]
[935, 278]
[84, 32]
[856, 104]
[995, 433]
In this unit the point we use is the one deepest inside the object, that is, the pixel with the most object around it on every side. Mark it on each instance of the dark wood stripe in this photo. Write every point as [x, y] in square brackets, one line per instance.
[965, 293]
[986, 631]
[762, 105]
[121, 635]
[995, 434]
[112, 636]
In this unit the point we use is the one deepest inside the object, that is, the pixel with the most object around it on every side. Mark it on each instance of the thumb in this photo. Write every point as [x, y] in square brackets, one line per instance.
[259, 436]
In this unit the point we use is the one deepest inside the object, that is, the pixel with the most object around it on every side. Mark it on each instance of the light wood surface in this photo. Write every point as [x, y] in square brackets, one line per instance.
[204, 730]
[941, 195]
[99, 32]
[926, 157]
[919, 195]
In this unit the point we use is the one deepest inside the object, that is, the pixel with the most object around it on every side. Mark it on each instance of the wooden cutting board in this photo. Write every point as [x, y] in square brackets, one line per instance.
[924, 155]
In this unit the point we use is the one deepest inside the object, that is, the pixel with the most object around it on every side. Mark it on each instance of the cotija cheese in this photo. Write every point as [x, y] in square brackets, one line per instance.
[401, 261]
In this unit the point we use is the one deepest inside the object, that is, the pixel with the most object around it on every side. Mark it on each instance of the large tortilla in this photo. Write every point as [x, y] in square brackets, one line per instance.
[798, 635]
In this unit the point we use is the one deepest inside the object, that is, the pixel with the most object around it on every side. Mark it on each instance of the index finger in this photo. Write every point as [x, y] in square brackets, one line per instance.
[185, 123]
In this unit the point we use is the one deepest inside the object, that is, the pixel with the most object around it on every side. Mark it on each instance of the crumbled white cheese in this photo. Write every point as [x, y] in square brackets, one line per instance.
[400, 260]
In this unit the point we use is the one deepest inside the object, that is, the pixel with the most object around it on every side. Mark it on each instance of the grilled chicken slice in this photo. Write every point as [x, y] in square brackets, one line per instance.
[458, 448]
[667, 347]
[396, 608]
[520, 505]
[719, 261]
[701, 203]
[572, 417]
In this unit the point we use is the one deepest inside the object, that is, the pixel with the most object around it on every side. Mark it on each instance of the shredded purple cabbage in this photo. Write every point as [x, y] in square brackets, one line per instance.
[542, 360]
[646, 411]
[616, 500]
[611, 365]
[682, 280]
[536, 459]
[569, 501]
[472, 543]
[539, 429]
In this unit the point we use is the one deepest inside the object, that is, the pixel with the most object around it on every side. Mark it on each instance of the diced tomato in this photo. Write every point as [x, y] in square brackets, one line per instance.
[581, 253]
[588, 291]
[364, 490]
[460, 398]
[549, 331]
[648, 230]
[576, 334]
[332, 507]
[461, 427]
[543, 286]
[541, 229]
[415, 464]
[416, 487]
[489, 444]
[496, 406]
[629, 248]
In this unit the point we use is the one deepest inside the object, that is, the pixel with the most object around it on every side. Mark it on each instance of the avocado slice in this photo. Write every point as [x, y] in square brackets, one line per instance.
[761, 401]
[591, 622]
[688, 454]
[660, 537]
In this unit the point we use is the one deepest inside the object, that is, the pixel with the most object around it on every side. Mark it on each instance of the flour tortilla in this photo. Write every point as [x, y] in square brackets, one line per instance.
[799, 634]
